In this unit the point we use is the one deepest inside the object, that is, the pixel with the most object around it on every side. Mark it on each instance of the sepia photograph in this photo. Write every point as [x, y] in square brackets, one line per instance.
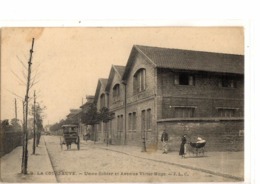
[122, 104]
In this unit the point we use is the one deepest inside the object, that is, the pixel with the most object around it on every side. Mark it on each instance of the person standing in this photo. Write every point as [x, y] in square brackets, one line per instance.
[183, 146]
[164, 139]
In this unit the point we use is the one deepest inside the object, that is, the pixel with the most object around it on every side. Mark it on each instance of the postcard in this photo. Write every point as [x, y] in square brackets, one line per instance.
[122, 104]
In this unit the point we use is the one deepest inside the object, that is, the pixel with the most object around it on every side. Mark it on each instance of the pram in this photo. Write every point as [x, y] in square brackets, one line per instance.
[197, 148]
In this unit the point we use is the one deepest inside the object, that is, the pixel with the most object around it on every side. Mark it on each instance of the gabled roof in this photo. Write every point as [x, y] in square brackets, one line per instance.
[73, 112]
[188, 60]
[114, 69]
[101, 82]
[90, 99]
[119, 69]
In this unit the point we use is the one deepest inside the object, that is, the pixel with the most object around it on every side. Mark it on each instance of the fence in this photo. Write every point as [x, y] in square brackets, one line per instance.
[9, 141]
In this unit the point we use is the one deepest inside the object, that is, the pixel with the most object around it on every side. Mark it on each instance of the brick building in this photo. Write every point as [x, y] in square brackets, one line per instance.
[186, 92]
[101, 100]
[116, 102]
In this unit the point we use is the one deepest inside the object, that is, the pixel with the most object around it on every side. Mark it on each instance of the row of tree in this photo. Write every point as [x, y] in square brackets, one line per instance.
[91, 117]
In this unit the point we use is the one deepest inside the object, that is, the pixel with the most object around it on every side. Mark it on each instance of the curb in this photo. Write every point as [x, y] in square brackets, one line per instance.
[51, 163]
[180, 165]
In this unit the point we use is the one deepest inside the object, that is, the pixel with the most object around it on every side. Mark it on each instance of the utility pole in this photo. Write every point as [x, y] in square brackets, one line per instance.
[26, 99]
[15, 106]
[23, 155]
[34, 121]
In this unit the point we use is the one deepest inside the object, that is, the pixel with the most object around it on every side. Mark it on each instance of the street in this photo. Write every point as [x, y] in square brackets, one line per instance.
[93, 164]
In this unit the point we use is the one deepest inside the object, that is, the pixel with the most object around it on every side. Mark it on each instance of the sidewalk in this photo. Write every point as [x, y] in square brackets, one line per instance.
[226, 164]
[39, 166]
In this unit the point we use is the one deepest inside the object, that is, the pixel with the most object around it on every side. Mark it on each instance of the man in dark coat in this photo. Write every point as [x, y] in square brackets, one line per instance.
[164, 139]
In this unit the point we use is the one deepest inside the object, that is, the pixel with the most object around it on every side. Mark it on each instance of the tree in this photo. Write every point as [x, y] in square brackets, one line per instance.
[105, 116]
[37, 111]
[15, 125]
[5, 126]
[90, 117]
[10, 126]
[57, 126]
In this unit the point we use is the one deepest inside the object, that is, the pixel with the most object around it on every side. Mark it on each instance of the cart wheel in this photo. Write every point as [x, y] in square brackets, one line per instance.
[78, 144]
[203, 151]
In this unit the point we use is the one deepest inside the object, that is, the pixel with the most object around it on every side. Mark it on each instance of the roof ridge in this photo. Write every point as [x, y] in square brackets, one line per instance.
[118, 65]
[189, 50]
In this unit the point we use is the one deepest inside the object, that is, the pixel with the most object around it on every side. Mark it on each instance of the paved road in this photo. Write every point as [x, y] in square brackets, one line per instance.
[92, 164]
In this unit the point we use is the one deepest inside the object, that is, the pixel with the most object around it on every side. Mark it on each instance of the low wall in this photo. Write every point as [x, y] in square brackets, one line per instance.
[227, 135]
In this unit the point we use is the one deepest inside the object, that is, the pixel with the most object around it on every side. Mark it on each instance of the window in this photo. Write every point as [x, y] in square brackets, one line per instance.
[184, 79]
[227, 82]
[149, 119]
[143, 123]
[120, 123]
[184, 112]
[226, 112]
[134, 121]
[130, 121]
[116, 92]
[139, 81]
[102, 101]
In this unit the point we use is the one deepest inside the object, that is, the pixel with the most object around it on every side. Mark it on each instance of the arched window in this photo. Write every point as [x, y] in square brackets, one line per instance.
[139, 81]
[116, 92]
[148, 119]
[102, 101]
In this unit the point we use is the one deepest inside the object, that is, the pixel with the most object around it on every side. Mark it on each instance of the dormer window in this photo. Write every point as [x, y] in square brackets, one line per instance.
[184, 79]
[139, 81]
[116, 92]
[227, 82]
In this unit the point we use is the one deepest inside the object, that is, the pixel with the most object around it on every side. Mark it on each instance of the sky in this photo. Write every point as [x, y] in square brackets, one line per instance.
[67, 62]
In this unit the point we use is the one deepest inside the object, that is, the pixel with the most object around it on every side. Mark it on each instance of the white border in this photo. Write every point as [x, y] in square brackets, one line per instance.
[250, 66]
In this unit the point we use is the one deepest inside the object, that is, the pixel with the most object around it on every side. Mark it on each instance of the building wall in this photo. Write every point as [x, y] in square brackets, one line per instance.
[141, 101]
[100, 134]
[206, 95]
[225, 135]
[135, 137]
[141, 62]
[116, 106]
[117, 136]
[115, 103]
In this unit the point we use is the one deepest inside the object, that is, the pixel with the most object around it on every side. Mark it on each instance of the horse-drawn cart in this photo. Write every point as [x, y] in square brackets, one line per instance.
[70, 135]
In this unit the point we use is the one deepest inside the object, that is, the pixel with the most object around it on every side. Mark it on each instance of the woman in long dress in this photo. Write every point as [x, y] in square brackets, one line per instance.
[183, 146]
